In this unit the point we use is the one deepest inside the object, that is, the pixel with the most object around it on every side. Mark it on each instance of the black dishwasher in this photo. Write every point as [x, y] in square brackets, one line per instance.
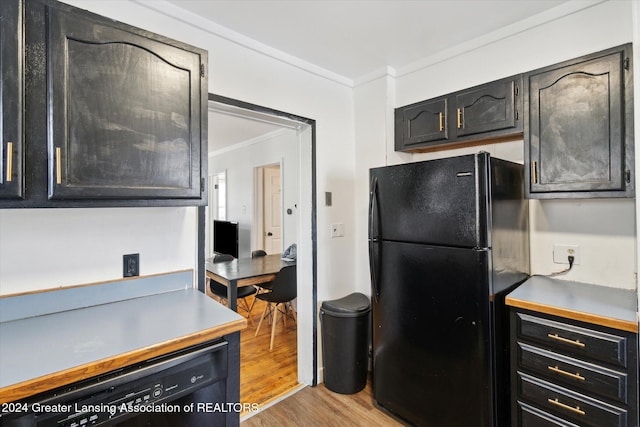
[183, 388]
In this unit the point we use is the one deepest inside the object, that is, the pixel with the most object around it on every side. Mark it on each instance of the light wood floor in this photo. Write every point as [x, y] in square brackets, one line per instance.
[266, 375]
[318, 406]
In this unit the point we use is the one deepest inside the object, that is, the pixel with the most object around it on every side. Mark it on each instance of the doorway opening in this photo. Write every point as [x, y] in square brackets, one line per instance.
[282, 159]
[267, 189]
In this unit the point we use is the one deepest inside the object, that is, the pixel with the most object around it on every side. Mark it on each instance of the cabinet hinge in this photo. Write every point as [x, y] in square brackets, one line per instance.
[626, 63]
[517, 115]
[201, 70]
[627, 176]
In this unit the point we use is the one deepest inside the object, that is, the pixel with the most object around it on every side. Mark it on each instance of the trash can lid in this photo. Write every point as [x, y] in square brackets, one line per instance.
[352, 305]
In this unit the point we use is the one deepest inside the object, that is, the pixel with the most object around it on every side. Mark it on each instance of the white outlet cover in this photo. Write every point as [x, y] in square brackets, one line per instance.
[561, 254]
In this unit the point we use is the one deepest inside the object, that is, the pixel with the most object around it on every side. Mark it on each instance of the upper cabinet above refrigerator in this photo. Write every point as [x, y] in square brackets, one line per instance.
[579, 127]
[490, 111]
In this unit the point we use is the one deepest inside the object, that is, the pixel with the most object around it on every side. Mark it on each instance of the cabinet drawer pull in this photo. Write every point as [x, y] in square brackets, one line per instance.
[575, 410]
[459, 118]
[58, 165]
[557, 370]
[534, 172]
[9, 161]
[566, 340]
[441, 118]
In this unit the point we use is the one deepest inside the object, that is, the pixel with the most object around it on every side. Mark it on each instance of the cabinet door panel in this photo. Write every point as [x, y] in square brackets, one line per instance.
[576, 127]
[488, 108]
[11, 105]
[124, 113]
[425, 122]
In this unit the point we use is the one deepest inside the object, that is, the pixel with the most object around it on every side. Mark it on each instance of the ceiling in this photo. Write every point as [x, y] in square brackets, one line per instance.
[353, 38]
[350, 39]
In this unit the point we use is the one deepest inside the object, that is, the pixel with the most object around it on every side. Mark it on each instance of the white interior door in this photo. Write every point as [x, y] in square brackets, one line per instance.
[272, 210]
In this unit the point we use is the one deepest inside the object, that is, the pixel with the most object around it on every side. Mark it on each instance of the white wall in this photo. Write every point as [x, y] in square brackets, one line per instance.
[604, 229]
[50, 248]
[240, 163]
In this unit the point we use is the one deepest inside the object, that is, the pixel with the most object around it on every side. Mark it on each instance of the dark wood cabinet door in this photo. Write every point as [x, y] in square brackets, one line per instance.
[421, 123]
[487, 108]
[577, 137]
[11, 100]
[124, 112]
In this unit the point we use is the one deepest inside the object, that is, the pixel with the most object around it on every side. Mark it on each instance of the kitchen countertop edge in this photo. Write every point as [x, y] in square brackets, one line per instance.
[599, 305]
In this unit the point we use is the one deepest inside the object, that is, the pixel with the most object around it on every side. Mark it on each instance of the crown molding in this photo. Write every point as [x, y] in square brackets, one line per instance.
[511, 30]
[171, 10]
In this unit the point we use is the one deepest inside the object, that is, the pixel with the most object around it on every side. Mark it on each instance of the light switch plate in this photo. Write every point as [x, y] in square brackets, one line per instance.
[337, 230]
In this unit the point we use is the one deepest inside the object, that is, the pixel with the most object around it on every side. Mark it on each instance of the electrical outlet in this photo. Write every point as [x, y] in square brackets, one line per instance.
[561, 254]
[130, 265]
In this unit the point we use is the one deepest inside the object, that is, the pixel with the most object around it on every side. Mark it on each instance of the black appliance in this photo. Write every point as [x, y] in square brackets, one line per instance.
[448, 238]
[225, 237]
[183, 388]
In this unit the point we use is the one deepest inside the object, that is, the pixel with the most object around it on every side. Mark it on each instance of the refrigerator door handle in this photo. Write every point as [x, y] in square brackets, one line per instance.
[373, 240]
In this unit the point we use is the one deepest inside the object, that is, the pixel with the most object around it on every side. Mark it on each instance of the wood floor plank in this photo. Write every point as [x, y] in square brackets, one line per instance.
[265, 374]
[314, 406]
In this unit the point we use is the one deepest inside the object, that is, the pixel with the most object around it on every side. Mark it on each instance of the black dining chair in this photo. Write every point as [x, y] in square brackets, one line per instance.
[220, 291]
[266, 286]
[285, 290]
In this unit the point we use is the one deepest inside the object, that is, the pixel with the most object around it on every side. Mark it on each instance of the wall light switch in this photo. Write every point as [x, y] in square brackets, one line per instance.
[337, 230]
[327, 198]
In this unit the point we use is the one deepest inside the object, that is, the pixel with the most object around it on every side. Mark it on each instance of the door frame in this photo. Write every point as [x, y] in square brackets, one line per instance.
[307, 256]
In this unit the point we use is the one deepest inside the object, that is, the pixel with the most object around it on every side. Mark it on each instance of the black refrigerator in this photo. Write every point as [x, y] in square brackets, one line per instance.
[448, 239]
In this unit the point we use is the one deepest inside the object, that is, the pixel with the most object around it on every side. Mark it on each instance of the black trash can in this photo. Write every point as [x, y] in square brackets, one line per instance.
[345, 342]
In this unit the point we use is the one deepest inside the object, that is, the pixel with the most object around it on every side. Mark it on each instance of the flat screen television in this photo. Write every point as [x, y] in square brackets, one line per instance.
[225, 237]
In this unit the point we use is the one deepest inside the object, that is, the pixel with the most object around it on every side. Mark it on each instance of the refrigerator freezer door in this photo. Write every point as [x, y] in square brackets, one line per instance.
[438, 202]
[431, 335]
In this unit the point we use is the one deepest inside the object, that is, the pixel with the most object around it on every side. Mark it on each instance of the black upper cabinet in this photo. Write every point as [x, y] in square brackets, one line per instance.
[424, 122]
[124, 112]
[489, 108]
[579, 129]
[113, 115]
[12, 148]
[488, 111]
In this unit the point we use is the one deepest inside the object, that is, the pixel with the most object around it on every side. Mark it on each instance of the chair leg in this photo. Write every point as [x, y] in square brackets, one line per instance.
[293, 311]
[262, 317]
[273, 325]
[284, 316]
[248, 309]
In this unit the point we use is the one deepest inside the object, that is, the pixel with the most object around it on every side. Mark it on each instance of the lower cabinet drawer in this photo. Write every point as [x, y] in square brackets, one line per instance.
[568, 405]
[574, 373]
[580, 341]
[528, 416]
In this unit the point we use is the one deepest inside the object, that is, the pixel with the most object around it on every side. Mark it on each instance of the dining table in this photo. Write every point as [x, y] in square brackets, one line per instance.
[245, 272]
